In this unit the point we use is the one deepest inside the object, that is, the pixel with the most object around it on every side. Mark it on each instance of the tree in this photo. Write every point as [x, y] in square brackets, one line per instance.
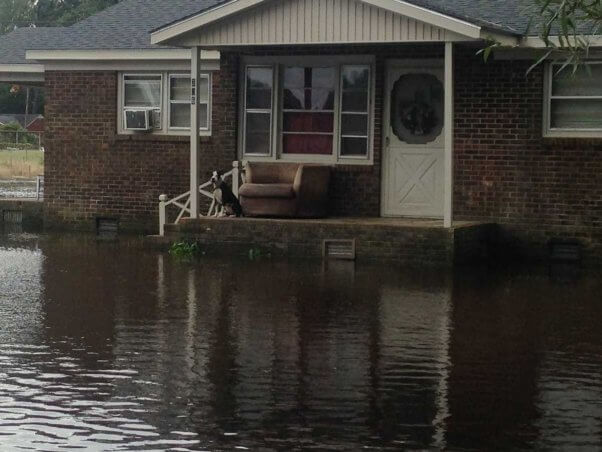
[567, 26]
[47, 13]
[67, 12]
[38, 13]
[15, 13]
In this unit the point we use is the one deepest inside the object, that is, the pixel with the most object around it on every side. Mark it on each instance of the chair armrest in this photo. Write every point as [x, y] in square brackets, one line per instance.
[248, 173]
[311, 189]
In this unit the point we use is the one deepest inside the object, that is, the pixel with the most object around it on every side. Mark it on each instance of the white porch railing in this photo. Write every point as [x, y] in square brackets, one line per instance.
[39, 187]
[182, 201]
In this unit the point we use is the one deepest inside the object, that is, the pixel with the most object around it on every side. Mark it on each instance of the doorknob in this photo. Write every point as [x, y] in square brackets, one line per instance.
[387, 141]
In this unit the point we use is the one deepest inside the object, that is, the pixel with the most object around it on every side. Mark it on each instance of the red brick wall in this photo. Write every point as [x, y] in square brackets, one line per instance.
[93, 172]
[536, 188]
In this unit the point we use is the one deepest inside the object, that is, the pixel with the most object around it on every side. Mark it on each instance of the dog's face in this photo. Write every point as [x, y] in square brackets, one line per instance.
[216, 177]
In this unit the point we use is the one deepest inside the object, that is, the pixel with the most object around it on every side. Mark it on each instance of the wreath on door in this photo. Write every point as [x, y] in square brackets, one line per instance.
[417, 108]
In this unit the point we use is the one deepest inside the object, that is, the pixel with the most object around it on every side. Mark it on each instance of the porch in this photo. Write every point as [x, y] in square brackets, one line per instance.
[366, 88]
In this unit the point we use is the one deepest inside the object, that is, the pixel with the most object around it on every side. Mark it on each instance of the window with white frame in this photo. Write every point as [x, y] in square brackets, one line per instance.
[154, 90]
[574, 100]
[143, 92]
[317, 111]
[258, 110]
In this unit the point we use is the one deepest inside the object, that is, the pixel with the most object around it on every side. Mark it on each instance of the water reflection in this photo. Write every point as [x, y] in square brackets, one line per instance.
[112, 347]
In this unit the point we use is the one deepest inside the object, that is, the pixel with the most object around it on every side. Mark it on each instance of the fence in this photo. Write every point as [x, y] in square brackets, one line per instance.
[182, 202]
[20, 140]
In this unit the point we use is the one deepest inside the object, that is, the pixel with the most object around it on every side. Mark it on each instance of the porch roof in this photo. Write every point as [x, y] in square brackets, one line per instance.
[292, 22]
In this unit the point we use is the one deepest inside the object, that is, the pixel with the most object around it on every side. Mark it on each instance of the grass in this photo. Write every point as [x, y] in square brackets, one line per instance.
[21, 164]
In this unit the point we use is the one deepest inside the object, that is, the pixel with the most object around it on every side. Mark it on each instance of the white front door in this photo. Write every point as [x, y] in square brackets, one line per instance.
[413, 148]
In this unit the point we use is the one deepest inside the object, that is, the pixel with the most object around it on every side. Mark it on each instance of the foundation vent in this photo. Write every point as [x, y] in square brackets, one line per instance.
[12, 216]
[565, 250]
[338, 249]
[107, 226]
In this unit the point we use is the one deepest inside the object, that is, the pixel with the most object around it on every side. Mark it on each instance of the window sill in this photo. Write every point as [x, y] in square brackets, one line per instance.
[568, 134]
[351, 163]
[159, 137]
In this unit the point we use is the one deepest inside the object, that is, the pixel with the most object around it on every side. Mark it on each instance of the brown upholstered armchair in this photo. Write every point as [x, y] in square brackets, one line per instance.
[293, 190]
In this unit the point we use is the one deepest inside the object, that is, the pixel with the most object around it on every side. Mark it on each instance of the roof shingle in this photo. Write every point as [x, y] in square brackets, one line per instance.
[127, 25]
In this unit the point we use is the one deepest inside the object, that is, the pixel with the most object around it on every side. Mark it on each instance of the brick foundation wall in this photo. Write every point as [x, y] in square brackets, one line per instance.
[91, 172]
[535, 188]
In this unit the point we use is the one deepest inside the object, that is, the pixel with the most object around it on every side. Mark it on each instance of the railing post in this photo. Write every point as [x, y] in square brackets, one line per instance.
[235, 177]
[37, 188]
[162, 217]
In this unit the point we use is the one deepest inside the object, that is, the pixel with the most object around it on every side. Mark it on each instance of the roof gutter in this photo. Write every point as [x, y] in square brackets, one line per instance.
[32, 74]
[117, 55]
[535, 42]
[22, 68]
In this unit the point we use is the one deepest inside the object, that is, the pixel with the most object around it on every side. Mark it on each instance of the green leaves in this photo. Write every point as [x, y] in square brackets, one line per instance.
[486, 51]
[567, 26]
[186, 249]
[47, 13]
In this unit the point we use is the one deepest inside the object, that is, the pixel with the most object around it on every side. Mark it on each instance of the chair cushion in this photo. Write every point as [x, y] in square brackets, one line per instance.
[267, 191]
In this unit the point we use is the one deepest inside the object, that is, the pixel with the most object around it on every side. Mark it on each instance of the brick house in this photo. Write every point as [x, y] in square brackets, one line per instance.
[390, 93]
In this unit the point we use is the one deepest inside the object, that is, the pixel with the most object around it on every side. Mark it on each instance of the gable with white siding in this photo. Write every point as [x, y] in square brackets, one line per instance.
[290, 22]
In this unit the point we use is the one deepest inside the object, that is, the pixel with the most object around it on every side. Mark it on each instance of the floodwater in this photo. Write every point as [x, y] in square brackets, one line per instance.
[17, 188]
[107, 346]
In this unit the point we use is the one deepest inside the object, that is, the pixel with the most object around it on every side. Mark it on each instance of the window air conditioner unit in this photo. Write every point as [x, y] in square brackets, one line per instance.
[143, 119]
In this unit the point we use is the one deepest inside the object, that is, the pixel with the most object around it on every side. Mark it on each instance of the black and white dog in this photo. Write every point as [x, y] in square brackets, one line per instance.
[225, 199]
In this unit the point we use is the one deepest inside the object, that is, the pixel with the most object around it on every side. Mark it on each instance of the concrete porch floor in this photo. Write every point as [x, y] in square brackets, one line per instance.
[409, 240]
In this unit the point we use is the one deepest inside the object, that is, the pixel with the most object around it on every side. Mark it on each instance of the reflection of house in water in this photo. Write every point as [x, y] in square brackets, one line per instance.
[299, 353]
[522, 363]
[303, 355]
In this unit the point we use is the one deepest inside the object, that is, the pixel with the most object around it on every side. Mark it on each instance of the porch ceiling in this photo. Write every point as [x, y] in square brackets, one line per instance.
[310, 22]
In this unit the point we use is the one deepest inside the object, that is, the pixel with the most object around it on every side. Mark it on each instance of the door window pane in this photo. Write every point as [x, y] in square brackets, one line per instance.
[417, 108]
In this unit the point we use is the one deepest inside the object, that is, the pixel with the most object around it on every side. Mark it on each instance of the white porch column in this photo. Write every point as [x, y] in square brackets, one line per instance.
[195, 69]
[448, 165]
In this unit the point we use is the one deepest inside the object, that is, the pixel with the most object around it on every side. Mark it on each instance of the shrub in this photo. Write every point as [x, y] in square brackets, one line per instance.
[185, 249]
